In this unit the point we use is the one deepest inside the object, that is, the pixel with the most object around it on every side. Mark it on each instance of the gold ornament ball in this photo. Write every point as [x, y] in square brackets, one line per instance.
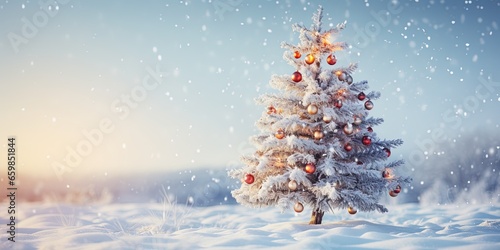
[352, 210]
[318, 135]
[310, 168]
[327, 118]
[312, 109]
[357, 120]
[348, 129]
[280, 134]
[310, 59]
[298, 207]
[292, 185]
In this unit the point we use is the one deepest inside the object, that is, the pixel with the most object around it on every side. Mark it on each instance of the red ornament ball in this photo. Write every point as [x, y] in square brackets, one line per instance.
[309, 59]
[337, 103]
[331, 60]
[249, 178]
[280, 134]
[271, 110]
[310, 168]
[296, 54]
[397, 190]
[387, 151]
[366, 140]
[393, 194]
[361, 96]
[298, 207]
[369, 129]
[368, 105]
[347, 147]
[352, 210]
[296, 76]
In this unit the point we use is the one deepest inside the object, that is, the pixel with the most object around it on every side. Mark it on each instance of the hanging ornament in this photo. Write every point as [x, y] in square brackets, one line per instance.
[310, 59]
[292, 185]
[366, 140]
[337, 103]
[342, 76]
[271, 110]
[348, 129]
[280, 134]
[249, 178]
[312, 109]
[296, 54]
[349, 79]
[327, 118]
[352, 210]
[357, 120]
[310, 168]
[296, 76]
[368, 105]
[359, 162]
[386, 173]
[361, 96]
[393, 194]
[318, 135]
[369, 129]
[387, 151]
[331, 60]
[397, 190]
[347, 147]
[298, 207]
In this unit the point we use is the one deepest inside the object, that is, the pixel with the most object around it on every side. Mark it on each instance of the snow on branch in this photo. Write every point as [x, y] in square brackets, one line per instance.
[300, 177]
[317, 19]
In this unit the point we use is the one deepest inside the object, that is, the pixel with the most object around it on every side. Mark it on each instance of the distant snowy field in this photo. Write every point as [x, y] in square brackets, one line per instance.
[172, 226]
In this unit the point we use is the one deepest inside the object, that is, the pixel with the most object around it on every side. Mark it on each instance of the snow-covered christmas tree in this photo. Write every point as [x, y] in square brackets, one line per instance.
[317, 147]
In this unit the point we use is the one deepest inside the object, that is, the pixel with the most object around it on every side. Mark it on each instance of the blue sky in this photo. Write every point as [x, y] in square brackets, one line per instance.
[431, 61]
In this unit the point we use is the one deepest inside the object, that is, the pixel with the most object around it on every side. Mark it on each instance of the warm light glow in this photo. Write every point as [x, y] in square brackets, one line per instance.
[325, 39]
[341, 92]
[280, 162]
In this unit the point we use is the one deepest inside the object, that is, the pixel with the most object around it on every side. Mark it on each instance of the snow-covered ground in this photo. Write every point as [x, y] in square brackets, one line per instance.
[171, 226]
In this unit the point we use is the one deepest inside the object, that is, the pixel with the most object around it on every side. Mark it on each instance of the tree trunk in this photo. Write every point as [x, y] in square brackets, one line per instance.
[316, 217]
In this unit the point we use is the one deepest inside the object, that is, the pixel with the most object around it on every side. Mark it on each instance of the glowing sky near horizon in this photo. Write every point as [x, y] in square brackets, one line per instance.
[89, 61]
